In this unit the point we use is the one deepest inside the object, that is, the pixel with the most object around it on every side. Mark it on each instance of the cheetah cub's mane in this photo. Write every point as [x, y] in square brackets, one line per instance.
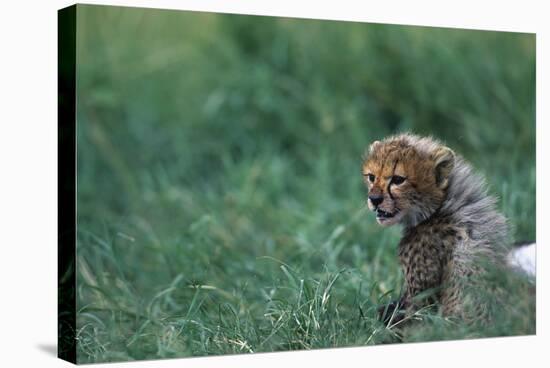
[449, 219]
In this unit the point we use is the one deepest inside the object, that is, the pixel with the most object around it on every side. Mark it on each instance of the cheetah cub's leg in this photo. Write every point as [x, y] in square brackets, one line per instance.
[423, 280]
[423, 273]
[392, 312]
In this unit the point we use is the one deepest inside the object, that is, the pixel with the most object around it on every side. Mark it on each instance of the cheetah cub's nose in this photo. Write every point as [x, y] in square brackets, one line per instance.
[376, 200]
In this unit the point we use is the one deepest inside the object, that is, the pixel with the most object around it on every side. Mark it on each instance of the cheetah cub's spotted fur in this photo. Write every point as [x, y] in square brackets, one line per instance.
[449, 220]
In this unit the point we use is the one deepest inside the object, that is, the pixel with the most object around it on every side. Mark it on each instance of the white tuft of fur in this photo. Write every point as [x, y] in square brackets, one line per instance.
[524, 259]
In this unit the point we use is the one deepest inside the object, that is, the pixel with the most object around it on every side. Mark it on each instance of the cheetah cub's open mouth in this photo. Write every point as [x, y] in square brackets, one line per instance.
[381, 215]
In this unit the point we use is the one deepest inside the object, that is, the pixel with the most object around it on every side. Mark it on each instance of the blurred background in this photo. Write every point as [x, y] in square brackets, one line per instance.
[220, 200]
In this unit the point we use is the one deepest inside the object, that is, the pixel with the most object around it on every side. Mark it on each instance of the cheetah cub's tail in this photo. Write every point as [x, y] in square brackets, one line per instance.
[523, 259]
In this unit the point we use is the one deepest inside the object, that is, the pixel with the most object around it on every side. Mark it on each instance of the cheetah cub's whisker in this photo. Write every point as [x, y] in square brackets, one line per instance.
[449, 221]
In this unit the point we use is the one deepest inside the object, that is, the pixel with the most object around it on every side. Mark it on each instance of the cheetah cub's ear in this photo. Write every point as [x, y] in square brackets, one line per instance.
[444, 159]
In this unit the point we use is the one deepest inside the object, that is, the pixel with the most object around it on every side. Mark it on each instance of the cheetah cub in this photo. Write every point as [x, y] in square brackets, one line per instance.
[449, 221]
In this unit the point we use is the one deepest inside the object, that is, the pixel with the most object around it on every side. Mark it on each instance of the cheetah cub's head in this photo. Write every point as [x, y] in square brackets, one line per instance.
[407, 177]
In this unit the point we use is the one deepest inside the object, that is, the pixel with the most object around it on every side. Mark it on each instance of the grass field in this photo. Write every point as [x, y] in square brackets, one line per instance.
[220, 201]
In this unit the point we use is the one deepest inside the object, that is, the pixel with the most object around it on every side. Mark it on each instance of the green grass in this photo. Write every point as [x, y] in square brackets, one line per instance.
[220, 202]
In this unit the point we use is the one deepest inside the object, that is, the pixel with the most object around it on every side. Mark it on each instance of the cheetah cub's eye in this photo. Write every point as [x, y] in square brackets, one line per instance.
[370, 177]
[396, 179]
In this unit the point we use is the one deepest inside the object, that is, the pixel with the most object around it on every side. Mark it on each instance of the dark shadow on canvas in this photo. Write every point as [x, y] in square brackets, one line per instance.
[50, 349]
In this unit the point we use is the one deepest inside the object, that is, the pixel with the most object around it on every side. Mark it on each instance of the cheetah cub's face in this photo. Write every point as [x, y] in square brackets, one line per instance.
[407, 177]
